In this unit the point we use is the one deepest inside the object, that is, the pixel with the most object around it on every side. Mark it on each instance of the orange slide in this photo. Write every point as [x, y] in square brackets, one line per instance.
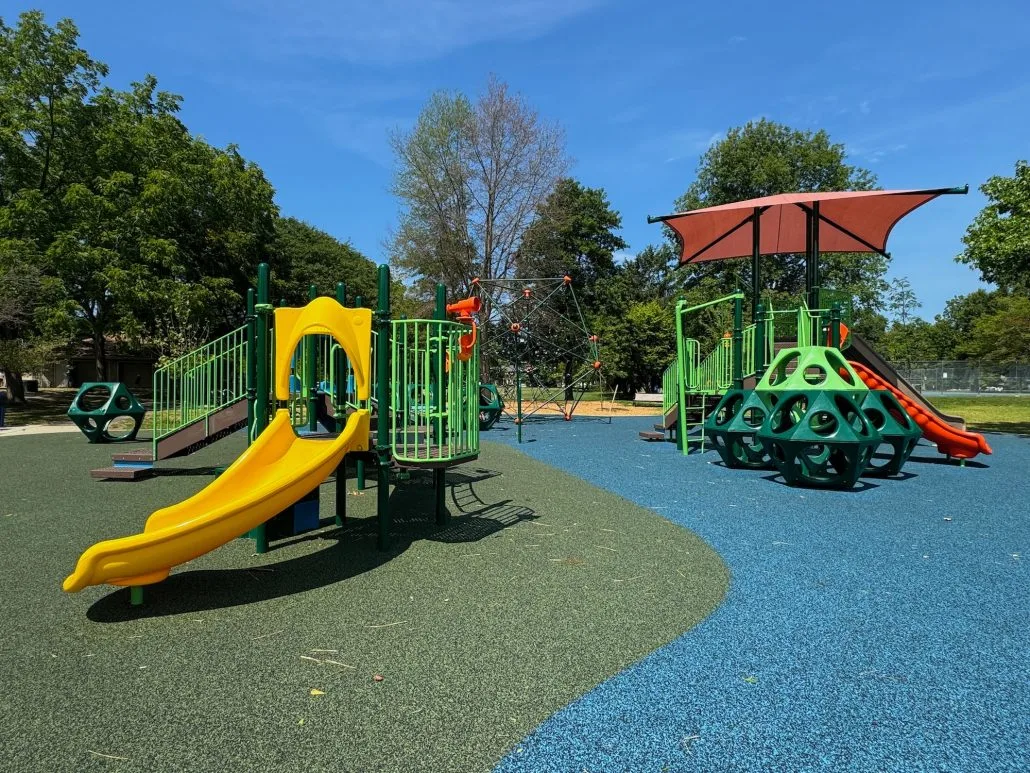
[951, 441]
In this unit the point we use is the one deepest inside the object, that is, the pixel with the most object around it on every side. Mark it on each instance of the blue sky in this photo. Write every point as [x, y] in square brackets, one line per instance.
[924, 94]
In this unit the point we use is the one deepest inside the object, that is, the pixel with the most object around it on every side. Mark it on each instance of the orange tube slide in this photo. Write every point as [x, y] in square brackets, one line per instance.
[953, 442]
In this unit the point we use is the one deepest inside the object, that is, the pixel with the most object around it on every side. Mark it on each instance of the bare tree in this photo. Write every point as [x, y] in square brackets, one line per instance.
[470, 178]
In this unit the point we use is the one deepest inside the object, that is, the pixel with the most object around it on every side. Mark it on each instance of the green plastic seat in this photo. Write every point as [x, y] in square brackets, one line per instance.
[490, 406]
[116, 401]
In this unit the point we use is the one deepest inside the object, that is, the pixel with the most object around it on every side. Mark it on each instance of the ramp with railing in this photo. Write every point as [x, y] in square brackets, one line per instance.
[200, 396]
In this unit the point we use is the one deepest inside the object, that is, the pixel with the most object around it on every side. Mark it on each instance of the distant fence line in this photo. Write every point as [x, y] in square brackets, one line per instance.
[970, 377]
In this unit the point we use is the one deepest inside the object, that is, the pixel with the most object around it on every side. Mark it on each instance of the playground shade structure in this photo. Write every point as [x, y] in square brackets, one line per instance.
[849, 221]
[277, 470]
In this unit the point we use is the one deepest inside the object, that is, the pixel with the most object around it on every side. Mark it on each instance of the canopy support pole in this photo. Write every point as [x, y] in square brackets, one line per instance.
[756, 262]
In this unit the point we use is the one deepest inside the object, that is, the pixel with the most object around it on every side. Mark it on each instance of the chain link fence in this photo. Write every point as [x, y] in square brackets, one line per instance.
[965, 377]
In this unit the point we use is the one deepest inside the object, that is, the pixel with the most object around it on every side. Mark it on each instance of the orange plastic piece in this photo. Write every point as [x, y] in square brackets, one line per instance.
[951, 441]
[526, 292]
[515, 327]
[567, 279]
[465, 307]
[593, 339]
[597, 364]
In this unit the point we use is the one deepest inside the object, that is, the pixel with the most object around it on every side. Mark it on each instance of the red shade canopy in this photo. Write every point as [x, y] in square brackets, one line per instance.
[849, 221]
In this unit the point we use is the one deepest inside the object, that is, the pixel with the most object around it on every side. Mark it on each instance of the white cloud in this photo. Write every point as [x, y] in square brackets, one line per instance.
[400, 31]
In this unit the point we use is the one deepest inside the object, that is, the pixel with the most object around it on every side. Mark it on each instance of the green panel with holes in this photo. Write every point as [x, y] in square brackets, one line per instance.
[98, 404]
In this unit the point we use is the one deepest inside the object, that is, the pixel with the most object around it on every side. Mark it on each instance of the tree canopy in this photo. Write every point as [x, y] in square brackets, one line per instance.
[470, 178]
[998, 240]
[117, 222]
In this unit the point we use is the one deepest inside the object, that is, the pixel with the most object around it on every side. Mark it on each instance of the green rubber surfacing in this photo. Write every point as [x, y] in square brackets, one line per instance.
[542, 587]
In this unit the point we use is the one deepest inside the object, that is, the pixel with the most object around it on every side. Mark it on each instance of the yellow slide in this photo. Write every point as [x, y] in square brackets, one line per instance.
[278, 469]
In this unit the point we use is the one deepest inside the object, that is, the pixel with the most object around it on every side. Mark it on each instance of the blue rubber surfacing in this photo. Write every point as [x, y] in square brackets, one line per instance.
[881, 629]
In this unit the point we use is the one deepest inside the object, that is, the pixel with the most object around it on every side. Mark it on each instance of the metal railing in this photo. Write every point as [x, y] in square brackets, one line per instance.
[193, 387]
[965, 376]
[435, 393]
[670, 385]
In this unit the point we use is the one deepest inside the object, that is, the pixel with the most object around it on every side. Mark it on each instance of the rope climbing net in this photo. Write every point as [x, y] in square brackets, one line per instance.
[537, 347]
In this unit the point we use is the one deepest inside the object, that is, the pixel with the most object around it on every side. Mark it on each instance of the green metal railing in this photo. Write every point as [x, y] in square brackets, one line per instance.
[435, 395]
[670, 385]
[198, 384]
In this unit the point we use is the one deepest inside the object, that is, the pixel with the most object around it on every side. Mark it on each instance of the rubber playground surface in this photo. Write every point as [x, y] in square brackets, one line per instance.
[880, 629]
[542, 587]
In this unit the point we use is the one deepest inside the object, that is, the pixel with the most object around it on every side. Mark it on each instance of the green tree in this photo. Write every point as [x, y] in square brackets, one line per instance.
[901, 299]
[301, 255]
[998, 240]
[147, 231]
[764, 158]
[1002, 336]
[915, 340]
[470, 179]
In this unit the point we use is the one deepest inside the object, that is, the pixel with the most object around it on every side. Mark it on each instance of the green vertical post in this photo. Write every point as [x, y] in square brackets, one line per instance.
[264, 368]
[518, 389]
[761, 344]
[835, 325]
[756, 262]
[310, 383]
[681, 364]
[339, 388]
[383, 400]
[359, 465]
[252, 362]
[135, 595]
[440, 400]
[738, 341]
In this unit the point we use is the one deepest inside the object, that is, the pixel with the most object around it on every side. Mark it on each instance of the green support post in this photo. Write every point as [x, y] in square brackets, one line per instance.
[439, 400]
[761, 344]
[251, 362]
[359, 465]
[518, 389]
[383, 400]
[681, 397]
[339, 409]
[264, 368]
[135, 595]
[310, 383]
[835, 325]
[738, 341]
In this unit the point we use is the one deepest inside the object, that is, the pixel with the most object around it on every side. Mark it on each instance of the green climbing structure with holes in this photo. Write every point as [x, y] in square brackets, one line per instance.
[98, 404]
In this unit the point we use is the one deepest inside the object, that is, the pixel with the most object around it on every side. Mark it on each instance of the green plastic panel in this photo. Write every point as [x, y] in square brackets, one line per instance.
[811, 368]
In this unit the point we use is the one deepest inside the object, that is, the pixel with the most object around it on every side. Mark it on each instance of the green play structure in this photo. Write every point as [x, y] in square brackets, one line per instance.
[795, 402]
[98, 404]
[424, 400]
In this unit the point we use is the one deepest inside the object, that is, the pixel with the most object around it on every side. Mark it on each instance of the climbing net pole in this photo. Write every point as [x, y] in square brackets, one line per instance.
[534, 327]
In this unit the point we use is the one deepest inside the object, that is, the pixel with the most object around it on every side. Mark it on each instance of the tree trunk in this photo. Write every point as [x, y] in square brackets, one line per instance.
[567, 382]
[15, 387]
[100, 355]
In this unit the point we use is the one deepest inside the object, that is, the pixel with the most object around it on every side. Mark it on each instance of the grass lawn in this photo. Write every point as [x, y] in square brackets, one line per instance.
[989, 414]
[47, 406]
